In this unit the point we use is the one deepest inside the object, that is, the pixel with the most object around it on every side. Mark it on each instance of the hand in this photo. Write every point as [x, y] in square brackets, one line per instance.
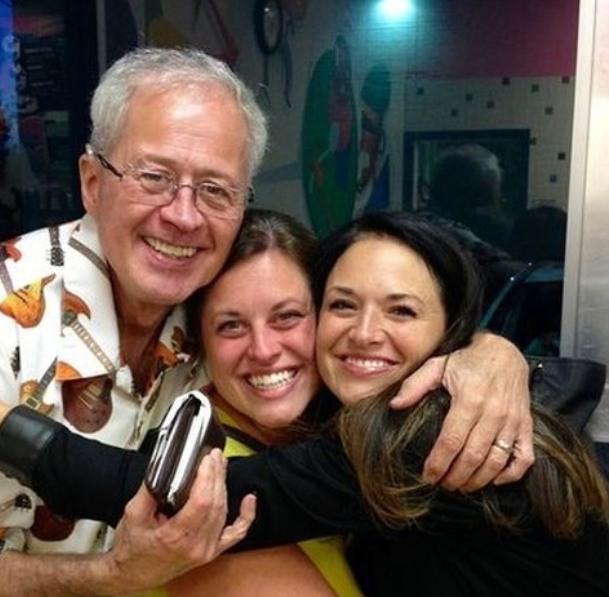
[151, 549]
[488, 382]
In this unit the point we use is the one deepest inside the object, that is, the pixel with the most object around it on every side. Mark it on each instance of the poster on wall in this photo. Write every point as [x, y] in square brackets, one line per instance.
[374, 176]
[36, 164]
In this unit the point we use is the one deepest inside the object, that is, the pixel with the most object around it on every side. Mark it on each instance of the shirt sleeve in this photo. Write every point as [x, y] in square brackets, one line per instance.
[84, 478]
[303, 491]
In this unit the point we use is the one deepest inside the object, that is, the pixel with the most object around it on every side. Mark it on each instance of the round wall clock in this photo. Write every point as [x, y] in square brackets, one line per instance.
[268, 24]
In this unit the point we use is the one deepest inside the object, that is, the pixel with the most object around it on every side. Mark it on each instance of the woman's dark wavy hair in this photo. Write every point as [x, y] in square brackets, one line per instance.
[451, 266]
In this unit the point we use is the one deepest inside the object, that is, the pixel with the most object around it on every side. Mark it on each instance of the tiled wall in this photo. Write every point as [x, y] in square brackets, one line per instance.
[544, 105]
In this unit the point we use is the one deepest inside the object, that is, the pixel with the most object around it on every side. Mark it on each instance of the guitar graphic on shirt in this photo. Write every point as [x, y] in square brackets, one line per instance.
[70, 319]
[55, 254]
[32, 391]
[27, 305]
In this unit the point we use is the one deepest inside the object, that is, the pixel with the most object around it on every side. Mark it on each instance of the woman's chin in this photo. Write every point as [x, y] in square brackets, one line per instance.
[352, 393]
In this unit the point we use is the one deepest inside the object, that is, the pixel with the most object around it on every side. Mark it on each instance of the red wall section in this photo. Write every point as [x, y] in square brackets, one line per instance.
[490, 38]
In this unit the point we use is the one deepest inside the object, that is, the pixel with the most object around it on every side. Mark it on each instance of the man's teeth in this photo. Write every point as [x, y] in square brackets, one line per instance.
[171, 250]
[271, 380]
[370, 364]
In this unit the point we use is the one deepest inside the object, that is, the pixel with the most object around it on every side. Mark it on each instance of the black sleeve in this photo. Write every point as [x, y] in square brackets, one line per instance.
[303, 491]
[84, 478]
[75, 476]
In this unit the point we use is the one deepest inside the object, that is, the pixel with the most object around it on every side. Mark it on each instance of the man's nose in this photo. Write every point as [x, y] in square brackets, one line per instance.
[182, 211]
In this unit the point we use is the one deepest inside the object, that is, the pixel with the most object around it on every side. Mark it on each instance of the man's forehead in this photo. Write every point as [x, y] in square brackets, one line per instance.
[152, 113]
[149, 93]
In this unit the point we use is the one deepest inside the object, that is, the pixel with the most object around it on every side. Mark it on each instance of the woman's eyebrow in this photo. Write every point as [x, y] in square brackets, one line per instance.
[399, 296]
[342, 289]
[289, 302]
[227, 313]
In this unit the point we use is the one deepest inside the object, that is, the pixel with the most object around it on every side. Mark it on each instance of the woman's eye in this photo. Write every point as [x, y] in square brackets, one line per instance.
[402, 311]
[230, 328]
[287, 318]
[340, 305]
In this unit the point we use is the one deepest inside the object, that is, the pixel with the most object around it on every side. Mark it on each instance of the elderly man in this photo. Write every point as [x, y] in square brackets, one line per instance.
[89, 324]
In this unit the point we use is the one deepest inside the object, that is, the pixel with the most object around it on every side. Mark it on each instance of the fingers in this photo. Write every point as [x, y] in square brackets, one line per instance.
[150, 549]
[498, 448]
[426, 378]
[142, 506]
[498, 455]
[235, 532]
[490, 406]
[205, 510]
[449, 444]
[523, 456]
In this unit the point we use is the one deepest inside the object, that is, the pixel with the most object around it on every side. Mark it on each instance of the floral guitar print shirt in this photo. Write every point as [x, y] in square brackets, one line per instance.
[60, 354]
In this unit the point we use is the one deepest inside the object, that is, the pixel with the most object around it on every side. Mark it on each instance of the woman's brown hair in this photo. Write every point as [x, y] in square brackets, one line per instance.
[388, 448]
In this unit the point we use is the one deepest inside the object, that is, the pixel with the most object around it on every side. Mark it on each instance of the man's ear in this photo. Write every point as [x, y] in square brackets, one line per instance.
[89, 183]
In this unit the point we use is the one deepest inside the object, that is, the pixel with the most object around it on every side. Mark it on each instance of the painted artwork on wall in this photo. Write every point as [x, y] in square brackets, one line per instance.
[373, 177]
[329, 141]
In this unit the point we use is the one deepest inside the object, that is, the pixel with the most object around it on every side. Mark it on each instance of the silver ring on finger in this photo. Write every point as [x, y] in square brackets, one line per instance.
[504, 445]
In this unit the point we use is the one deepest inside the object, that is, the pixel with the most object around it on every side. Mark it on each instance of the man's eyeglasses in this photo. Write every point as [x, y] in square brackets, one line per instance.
[159, 189]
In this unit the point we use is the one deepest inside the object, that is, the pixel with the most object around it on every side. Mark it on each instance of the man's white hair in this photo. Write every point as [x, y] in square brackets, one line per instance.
[164, 69]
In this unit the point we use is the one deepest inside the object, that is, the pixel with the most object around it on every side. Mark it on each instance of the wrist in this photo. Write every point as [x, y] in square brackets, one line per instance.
[104, 576]
[24, 435]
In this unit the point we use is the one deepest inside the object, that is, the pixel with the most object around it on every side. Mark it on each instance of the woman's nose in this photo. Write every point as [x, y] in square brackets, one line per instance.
[366, 329]
[264, 347]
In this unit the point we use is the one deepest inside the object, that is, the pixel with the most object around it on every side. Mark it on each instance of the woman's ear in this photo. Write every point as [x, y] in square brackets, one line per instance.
[89, 182]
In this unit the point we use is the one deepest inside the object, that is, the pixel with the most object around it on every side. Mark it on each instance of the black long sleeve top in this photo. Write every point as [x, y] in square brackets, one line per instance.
[308, 490]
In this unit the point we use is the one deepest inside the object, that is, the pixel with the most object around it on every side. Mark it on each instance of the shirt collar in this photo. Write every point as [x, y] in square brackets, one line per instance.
[90, 344]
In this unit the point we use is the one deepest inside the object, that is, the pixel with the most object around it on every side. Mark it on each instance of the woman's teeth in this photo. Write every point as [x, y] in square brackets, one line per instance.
[369, 364]
[271, 380]
[176, 251]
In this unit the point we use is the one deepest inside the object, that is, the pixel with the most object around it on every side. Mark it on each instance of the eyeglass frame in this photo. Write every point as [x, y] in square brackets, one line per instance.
[175, 188]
